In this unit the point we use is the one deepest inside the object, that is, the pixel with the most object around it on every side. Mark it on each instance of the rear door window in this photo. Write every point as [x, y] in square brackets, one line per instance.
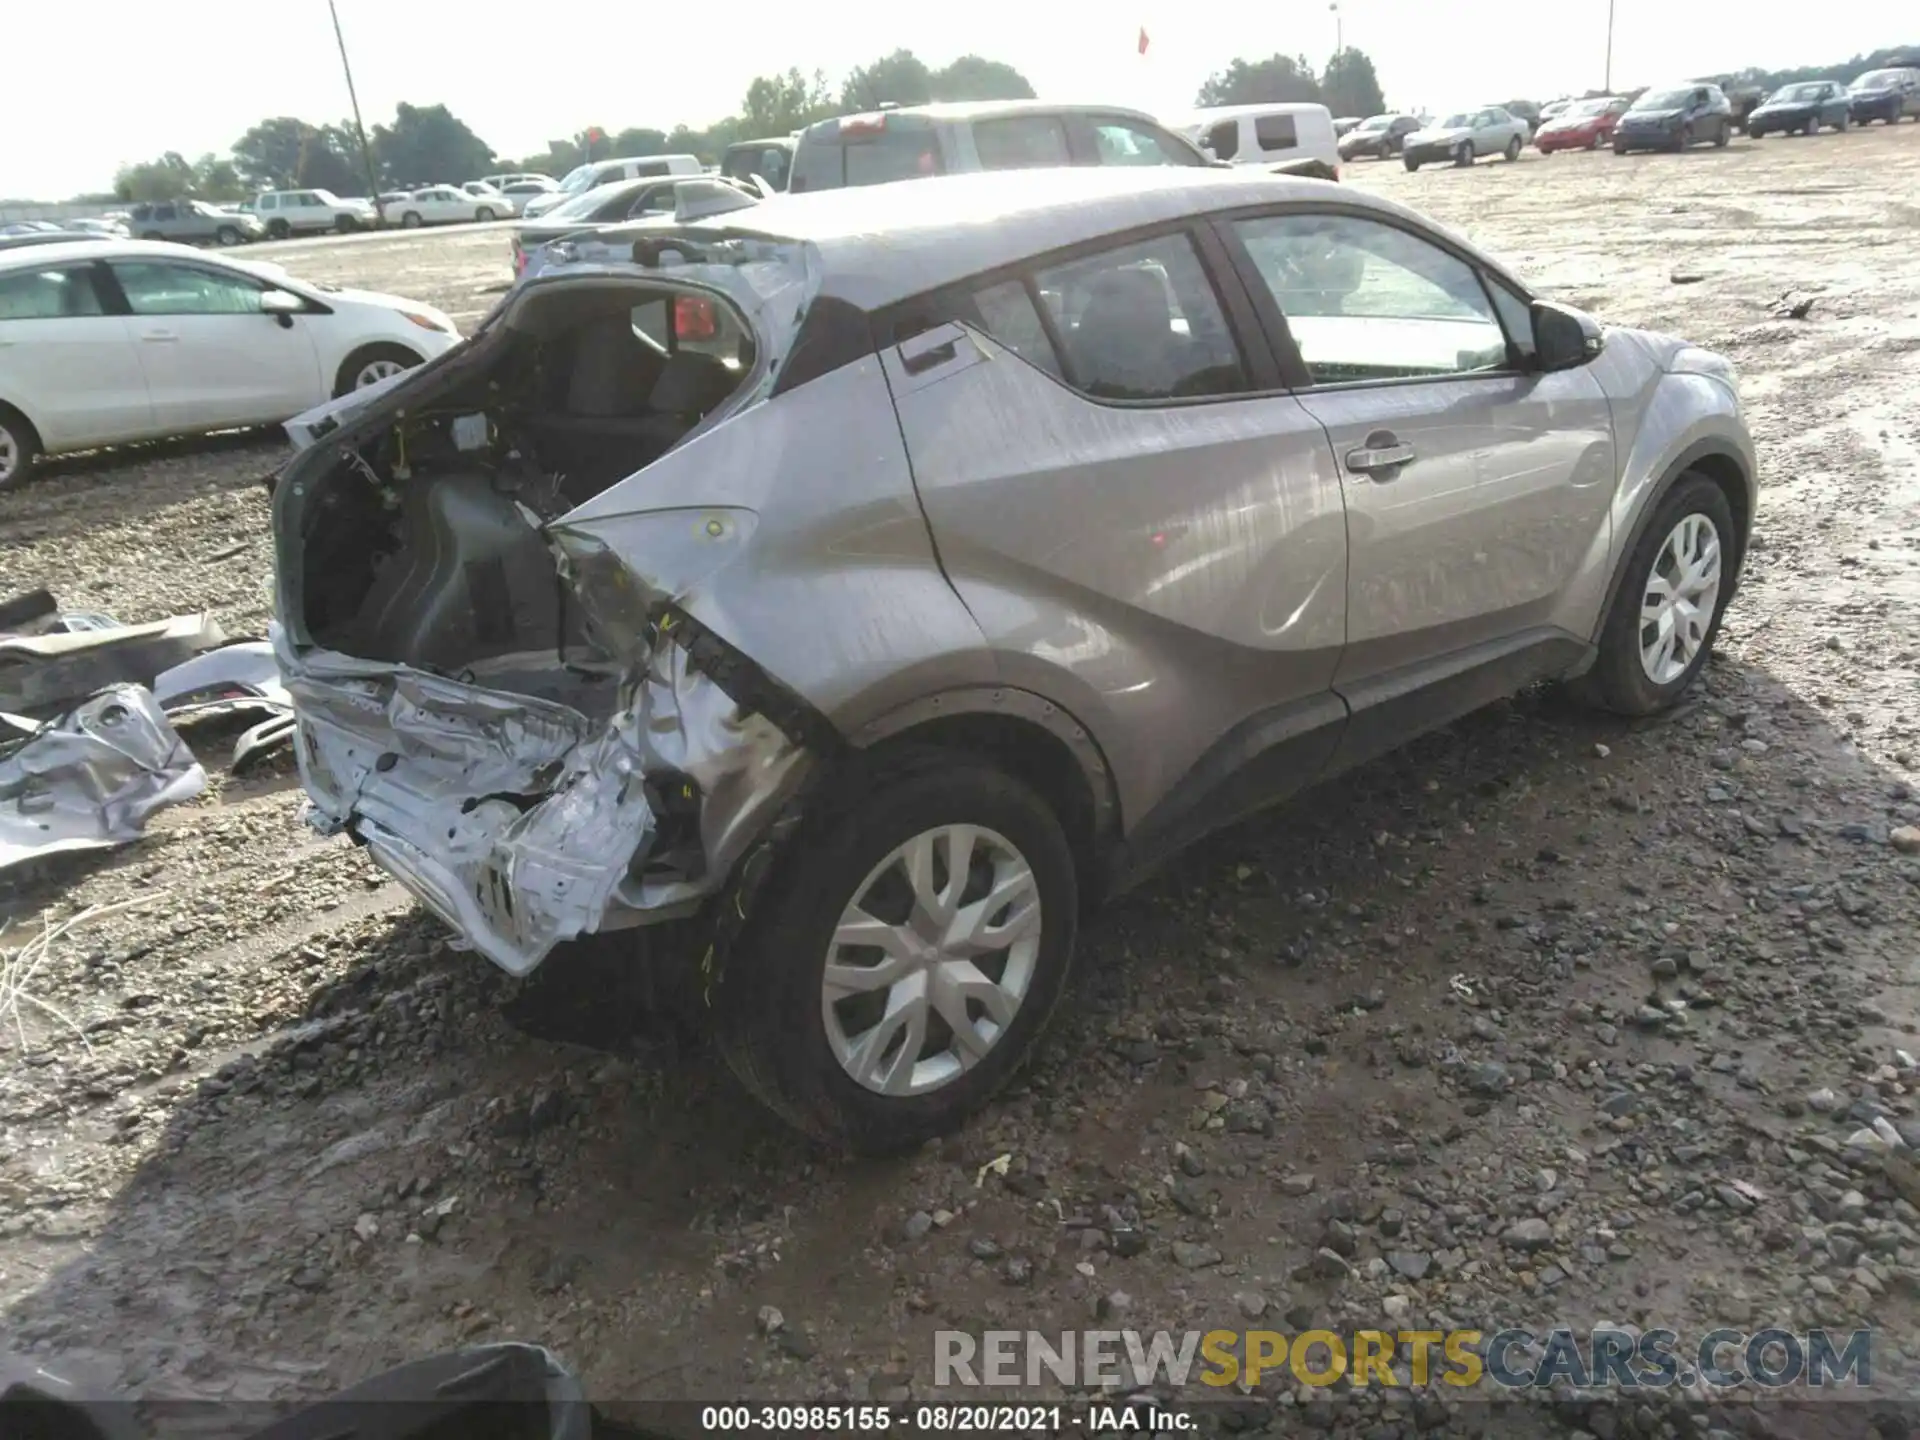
[1020, 142]
[55, 294]
[866, 154]
[1275, 132]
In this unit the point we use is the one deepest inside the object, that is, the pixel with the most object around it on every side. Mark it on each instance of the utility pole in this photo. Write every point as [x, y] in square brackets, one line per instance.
[1607, 84]
[359, 130]
[1334, 6]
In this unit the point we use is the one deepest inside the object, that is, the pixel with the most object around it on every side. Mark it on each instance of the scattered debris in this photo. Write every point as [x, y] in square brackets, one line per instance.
[50, 661]
[1792, 307]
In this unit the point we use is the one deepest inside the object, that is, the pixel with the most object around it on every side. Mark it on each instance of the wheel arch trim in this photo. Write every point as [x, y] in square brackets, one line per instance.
[1719, 454]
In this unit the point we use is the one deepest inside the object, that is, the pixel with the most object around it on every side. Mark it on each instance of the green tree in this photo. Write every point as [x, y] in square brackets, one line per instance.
[1276, 79]
[284, 154]
[427, 145]
[972, 78]
[779, 104]
[1350, 85]
[215, 178]
[638, 140]
[163, 179]
[901, 78]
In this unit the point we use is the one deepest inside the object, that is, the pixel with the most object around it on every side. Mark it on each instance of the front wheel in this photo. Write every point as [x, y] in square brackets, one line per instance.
[483, 214]
[1411, 163]
[1464, 155]
[371, 364]
[410, 220]
[278, 229]
[19, 447]
[905, 956]
[1685, 138]
[1667, 611]
[1725, 133]
[227, 235]
[1512, 151]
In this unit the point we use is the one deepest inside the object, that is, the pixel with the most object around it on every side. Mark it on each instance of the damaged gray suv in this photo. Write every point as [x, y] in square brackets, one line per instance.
[884, 575]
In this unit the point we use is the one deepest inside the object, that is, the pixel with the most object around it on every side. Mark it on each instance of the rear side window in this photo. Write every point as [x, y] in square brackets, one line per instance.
[1007, 314]
[862, 155]
[1223, 140]
[1125, 142]
[1020, 142]
[1275, 132]
[1143, 322]
[48, 294]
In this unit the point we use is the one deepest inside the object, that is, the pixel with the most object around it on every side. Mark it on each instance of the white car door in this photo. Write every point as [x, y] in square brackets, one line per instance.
[66, 363]
[211, 357]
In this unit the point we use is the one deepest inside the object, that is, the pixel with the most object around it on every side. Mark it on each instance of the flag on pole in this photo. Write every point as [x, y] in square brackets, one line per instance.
[1143, 39]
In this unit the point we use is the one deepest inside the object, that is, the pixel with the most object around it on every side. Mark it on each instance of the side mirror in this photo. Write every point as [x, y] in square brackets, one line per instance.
[1564, 338]
[283, 305]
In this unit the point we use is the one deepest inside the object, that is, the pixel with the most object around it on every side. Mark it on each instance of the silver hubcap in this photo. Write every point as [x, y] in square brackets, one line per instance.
[1683, 590]
[9, 453]
[932, 960]
[375, 371]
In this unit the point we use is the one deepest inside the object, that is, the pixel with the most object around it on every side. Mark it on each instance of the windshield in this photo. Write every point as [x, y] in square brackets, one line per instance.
[1462, 121]
[1376, 122]
[1585, 108]
[578, 179]
[1664, 100]
[585, 204]
[1790, 93]
[1878, 80]
[326, 197]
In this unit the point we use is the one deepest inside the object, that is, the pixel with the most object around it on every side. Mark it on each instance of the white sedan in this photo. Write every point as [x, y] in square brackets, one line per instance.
[442, 205]
[504, 204]
[103, 342]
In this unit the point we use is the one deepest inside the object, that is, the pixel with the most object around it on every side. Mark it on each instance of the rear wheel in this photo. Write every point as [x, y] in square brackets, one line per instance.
[1685, 138]
[371, 364]
[1411, 163]
[410, 220]
[483, 214]
[1667, 612]
[227, 235]
[19, 447]
[1463, 155]
[1725, 133]
[905, 956]
[278, 229]
[1512, 152]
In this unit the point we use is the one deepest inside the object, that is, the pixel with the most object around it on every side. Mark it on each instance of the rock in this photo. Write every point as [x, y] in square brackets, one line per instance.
[1190, 1256]
[1528, 1235]
[1621, 1102]
[366, 1226]
[1488, 1077]
[1734, 1199]
[1342, 1238]
[1396, 1306]
[919, 1225]
[1665, 968]
[1252, 1304]
[1822, 1101]
[1411, 1263]
[1129, 1243]
[1296, 1184]
[1114, 1302]
[983, 1248]
[771, 1321]
[1190, 1164]
[1905, 839]
[1017, 1271]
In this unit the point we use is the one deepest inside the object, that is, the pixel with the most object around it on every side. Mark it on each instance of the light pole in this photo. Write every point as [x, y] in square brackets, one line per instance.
[359, 130]
[1334, 6]
[1607, 83]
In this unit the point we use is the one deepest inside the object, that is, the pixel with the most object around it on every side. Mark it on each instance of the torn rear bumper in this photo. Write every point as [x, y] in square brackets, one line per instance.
[522, 822]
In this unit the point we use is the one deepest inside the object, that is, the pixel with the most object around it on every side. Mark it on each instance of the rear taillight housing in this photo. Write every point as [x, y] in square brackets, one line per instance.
[693, 318]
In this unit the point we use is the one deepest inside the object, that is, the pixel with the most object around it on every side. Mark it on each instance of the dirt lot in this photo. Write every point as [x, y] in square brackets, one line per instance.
[1544, 1019]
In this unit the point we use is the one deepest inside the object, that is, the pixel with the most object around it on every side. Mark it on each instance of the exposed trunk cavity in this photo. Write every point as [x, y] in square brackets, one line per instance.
[509, 717]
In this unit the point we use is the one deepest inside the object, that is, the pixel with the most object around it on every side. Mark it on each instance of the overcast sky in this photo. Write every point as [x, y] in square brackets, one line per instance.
[192, 75]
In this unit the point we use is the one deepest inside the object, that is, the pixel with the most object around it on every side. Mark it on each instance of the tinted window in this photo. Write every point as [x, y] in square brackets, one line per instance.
[1368, 301]
[1223, 140]
[1123, 142]
[1275, 132]
[142, 212]
[47, 294]
[157, 288]
[1142, 322]
[896, 151]
[163, 212]
[1006, 313]
[1020, 142]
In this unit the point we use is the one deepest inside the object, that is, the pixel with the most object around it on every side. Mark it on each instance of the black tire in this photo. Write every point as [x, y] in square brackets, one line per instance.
[767, 997]
[1411, 163]
[279, 229]
[1685, 139]
[227, 235]
[1618, 682]
[345, 225]
[1512, 152]
[410, 220]
[1724, 135]
[1464, 155]
[25, 445]
[351, 367]
[1844, 124]
[483, 214]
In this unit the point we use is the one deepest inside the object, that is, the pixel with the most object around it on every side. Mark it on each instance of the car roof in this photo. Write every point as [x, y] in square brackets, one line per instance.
[960, 110]
[880, 244]
[1278, 107]
[81, 247]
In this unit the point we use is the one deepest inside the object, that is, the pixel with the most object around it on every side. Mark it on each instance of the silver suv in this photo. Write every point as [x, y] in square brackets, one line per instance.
[192, 221]
[963, 573]
[905, 144]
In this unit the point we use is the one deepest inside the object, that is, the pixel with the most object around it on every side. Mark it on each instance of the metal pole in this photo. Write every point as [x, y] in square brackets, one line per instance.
[359, 130]
[1607, 84]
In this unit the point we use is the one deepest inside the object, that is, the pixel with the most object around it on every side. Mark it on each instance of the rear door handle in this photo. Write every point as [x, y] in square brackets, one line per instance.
[1383, 451]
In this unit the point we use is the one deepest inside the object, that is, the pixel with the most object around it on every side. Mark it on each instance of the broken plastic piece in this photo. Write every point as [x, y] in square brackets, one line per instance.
[48, 674]
[89, 779]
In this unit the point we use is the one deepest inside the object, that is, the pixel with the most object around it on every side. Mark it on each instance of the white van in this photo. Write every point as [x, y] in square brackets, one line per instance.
[583, 178]
[1294, 138]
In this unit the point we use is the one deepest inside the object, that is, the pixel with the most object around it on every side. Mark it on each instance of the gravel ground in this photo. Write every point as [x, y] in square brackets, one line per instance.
[1543, 1019]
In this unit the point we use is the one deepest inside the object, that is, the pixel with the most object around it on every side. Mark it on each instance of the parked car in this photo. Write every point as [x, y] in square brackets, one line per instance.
[1294, 139]
[114, 229]
[1672, 117]
[23, 239]
[442, 205]
[1583, 125]
[771, 160]
[522, 191]
[1804, 107]
[827, 639]
[1742, 101]
[1464, 137]
[1550, 110]
[1380, 136]
[922, 140]
[104, 341]
[583, 178]
[1886, 95]
[629, 200]
[32, 227]
[503, 205]
[520, 177]
[312, 212]
[1524, 110]
[193, 222]
[1343, 123]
